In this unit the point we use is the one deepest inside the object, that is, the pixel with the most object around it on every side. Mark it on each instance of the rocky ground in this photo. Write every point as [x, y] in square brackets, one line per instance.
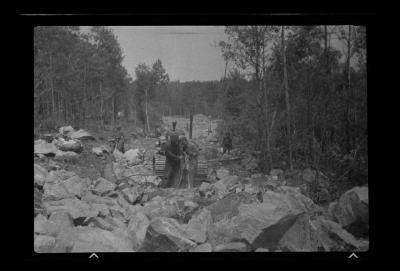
[90, 200]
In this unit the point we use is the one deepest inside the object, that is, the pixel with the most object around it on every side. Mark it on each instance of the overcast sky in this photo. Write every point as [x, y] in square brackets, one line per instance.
[186, 52]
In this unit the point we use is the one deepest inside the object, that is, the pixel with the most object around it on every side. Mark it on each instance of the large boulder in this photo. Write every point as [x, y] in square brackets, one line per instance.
[63, 155]
[334, 238]
[44, 148]
[44, 244]
[137, 229]
[69, 145]
[73, 206]
[227, 207]
[56, 176]
[55, 191]
[225, 185]
[166, 235]
[250, 219]
[352, 211]
[57, 222]
[162, 207]
[222, 173]
[77, 186]
[109, 173]
[302, 232]
[206, 247]
[93, 239]
[61, 221]
[66, 130]
[41, 225]
[40, 175]
[100, 150]
[95, 199]
[293, 233]
[232, 247]
[102, 186]
[132, 156]
[131, 194]
[199, 225]
[82, 135]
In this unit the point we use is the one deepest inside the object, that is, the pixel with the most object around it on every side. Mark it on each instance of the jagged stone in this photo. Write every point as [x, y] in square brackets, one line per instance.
[199, 225]
[222, 173]
[69, 145]
[82, 135]
[166, 235]
[60, 221]
[137, 229]
[232, 247]
[92, 239]
[77, 186]
[102, 186]
[352, 211]
[40, 175]
[45, 148]
[56, 191]
[73, 206]
[206, 247]
[44, 244]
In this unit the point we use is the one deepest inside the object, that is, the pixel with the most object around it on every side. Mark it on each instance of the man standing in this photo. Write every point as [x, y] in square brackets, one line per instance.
[119, 140]
[172, 161]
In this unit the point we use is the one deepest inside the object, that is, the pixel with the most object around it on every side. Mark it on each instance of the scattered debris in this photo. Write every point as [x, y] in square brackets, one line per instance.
[123, 209]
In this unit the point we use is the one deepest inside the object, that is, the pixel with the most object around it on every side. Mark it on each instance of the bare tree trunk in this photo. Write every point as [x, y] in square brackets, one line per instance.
[348, 113]
[101, 106]
[112, 108]
[285, 81]
[147, 116]
[86, 98]
[191, 125]
[52, 84]
[267, 132]
[348, 145]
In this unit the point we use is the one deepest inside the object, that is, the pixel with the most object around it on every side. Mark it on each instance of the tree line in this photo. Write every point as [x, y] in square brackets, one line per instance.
[78, 77]
[79, 80]
[287, 93]
[297, 98]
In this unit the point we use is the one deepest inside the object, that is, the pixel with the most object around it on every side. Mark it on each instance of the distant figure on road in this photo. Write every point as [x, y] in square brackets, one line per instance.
[119, 140]
[157, 132]
[227, 143]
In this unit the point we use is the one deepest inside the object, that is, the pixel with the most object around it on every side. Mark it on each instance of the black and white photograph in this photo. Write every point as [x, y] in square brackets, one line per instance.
[200, 138]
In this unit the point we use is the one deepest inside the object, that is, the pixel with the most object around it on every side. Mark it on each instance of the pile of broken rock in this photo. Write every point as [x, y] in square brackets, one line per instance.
[66, 143]
[258, 213]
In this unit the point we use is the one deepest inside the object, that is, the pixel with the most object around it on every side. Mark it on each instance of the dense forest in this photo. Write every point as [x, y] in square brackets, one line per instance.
[287, 93]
